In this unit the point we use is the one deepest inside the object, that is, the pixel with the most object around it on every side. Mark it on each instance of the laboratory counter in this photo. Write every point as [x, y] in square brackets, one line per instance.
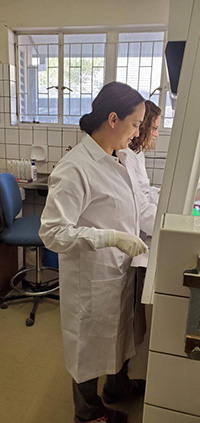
[40, 184]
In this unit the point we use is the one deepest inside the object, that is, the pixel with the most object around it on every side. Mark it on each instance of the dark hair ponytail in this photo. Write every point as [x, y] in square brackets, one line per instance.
[113, 97]
[86, 123]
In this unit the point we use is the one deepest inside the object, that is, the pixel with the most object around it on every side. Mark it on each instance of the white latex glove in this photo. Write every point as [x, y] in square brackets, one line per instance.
[128, 243]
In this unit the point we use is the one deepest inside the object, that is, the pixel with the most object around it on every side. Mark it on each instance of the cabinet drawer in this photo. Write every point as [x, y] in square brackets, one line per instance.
[160, 415]
[173, 383]
[169, 322]
[177, 251]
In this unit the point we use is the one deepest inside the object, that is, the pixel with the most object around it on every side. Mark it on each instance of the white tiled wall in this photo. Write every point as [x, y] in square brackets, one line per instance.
[34, 202]
[26, 136]
[54, 138]
[15, 140]
[40, 136]
[2, 137]
[156, 164]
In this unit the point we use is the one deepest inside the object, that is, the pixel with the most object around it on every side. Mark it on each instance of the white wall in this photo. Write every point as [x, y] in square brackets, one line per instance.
[15, 141]
[59, 13]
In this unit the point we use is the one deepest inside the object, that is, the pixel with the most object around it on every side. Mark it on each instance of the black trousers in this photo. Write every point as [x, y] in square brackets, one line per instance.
[139, 323]
[87, 402]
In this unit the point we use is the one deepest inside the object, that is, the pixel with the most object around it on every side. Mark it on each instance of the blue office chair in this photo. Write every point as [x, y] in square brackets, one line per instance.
[23, 231]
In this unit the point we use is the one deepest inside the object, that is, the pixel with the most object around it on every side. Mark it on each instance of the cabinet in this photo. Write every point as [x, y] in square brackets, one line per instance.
[8, 266]
[173, 383]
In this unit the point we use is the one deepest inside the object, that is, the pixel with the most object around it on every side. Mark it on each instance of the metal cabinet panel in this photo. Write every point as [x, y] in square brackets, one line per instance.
[8, 266]
[169, 324]
[178, 251]
[174, 383]
[160, 415]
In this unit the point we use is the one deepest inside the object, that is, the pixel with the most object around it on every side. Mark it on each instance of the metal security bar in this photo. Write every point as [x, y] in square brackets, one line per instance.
[60, 74]
[84, 66]
[139, 61]
[38, 78]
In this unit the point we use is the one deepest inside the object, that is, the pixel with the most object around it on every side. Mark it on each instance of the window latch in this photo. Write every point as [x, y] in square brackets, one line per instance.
[66, 88]
[156, 89]
[62, 88]
[53, 86]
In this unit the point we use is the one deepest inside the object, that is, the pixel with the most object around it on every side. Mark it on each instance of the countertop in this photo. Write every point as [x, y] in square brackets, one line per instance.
[41, 183]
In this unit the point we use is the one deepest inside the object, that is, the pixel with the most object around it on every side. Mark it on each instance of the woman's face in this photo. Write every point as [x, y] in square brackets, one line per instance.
[155, 123]
[128, 128]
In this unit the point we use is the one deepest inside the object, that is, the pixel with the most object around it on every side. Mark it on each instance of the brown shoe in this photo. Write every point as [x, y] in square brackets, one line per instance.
[110, 416]
[135, 390]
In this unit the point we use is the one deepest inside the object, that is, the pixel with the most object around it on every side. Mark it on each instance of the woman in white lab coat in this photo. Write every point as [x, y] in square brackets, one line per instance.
[144, 143]
[92, 218]
[139, 145]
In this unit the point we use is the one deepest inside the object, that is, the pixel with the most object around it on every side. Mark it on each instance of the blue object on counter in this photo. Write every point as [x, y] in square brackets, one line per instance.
[50, 259]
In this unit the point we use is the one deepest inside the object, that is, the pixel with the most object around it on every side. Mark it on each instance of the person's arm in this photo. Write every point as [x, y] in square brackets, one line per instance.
[147, 214]
[154, 193]
[147, 210]
[151, 192]
[69, 195]
[140, 168]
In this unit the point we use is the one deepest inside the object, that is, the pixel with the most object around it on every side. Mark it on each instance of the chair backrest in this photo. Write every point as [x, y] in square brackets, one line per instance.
[10, 198]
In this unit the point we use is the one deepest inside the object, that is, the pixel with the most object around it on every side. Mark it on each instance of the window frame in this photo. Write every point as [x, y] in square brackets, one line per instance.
[110, 69]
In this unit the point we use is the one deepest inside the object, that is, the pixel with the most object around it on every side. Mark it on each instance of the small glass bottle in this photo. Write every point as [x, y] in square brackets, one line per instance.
[33, 170]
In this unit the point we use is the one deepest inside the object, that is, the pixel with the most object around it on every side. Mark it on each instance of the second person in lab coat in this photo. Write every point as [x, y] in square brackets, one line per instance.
[92, 218]
[143, 143]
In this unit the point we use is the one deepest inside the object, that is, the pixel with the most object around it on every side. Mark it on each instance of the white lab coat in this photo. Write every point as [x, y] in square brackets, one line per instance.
[149, 198]
[147, 209]
[90, 192]
[151, 192]
[137, 167]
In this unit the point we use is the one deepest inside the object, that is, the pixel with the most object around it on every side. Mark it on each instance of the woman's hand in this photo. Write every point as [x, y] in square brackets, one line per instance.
[128, 243]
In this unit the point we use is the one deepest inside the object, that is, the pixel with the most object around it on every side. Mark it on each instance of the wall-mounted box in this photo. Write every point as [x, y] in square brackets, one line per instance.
[39, 153]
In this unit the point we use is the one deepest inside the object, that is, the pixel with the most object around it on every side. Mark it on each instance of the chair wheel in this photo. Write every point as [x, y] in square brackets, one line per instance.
[29, 322]
[4, 305]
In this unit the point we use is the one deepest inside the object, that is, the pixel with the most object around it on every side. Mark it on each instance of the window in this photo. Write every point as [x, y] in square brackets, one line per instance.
[59, 75]
[39, 85]
[84, 64]
[139, 62]
[169, 113]
[38, 78]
